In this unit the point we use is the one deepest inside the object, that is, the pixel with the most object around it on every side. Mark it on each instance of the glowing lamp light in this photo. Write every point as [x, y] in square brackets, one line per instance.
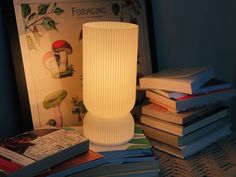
[109, 81]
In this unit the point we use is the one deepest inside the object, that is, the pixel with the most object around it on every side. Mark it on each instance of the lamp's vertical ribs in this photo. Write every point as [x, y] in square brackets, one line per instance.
[109, 66]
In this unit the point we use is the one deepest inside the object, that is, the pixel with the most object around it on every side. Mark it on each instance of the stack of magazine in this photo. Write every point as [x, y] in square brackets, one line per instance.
[188, 109]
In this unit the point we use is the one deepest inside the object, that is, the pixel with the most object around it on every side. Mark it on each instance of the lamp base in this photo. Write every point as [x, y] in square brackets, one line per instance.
[108, 132]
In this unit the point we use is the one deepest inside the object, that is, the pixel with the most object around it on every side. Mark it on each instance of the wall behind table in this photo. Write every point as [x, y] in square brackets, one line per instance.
[9, 105]
[197, 33]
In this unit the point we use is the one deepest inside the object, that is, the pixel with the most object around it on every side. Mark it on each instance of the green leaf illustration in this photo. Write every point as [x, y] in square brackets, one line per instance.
[42, 8]
[31, 16]
[115, 8]
[58, 11]
[30, 43]
[49, 24]
[25, 9]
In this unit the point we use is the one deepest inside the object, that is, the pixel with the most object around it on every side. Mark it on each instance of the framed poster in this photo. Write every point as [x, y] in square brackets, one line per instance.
[49, 53]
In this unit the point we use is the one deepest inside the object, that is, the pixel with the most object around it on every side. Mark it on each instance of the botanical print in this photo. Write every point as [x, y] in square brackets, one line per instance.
[53, 100]
[41, 17]
[78, 109]
[56, 60]
[51, 36]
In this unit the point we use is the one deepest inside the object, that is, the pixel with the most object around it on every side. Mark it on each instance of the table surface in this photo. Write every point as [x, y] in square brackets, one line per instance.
[217, 160]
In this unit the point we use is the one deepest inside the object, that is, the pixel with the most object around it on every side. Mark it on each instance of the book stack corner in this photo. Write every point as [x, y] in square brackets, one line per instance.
[188, 109]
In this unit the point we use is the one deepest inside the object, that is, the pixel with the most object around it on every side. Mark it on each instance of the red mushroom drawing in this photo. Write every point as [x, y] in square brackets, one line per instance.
[62, 49]
[53, 100]
[50, 63]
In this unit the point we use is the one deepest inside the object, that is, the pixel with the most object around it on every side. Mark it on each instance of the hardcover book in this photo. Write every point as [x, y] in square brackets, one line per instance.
[178, 141]
[32, 152]
[184, 80]
[181, 130]
[190, 101]
[196, 146]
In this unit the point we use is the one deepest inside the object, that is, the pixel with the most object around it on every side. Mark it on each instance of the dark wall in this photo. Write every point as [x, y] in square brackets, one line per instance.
[9, 107]
[197, 33]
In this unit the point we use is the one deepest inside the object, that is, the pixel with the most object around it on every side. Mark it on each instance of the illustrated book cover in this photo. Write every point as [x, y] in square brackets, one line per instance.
[50, 35]
[32, 152]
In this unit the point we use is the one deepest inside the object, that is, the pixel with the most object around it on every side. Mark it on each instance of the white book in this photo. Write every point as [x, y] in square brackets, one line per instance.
[184, 80]
[196, 146]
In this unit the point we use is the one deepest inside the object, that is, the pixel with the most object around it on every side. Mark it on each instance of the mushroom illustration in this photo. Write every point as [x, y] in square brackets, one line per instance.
[51, 64]
[63, 48]
[53, 100]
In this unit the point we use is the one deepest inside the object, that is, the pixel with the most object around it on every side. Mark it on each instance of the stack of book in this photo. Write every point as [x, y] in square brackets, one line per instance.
[187, 109]
[135, 158]
[63, 152]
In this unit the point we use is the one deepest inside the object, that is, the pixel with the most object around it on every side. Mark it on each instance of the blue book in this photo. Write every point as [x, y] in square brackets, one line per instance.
[138, 146]
[137, 151]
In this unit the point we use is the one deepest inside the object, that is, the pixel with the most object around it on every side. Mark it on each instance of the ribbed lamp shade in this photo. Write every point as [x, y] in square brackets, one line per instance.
[109, 81]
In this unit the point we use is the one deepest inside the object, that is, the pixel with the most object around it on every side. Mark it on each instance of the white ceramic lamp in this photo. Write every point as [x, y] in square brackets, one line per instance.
[109, 81]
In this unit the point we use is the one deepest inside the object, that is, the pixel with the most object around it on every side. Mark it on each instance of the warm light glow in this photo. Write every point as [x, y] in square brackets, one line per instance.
[109, 80]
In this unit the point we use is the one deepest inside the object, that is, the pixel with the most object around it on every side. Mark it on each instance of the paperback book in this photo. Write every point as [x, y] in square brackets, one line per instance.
[159, 112]
[182, 130]
[212, 85]
[32, 152]
[196, 146]
[178, 141]
[84, 161]
[190, 101]
[184, 80]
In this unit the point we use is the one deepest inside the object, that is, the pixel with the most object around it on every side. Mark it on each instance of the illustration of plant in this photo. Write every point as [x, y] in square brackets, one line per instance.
[78, 109]
[53, 101]
[62, 49]
[34, 20]
[127, 9]
[56, 61]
